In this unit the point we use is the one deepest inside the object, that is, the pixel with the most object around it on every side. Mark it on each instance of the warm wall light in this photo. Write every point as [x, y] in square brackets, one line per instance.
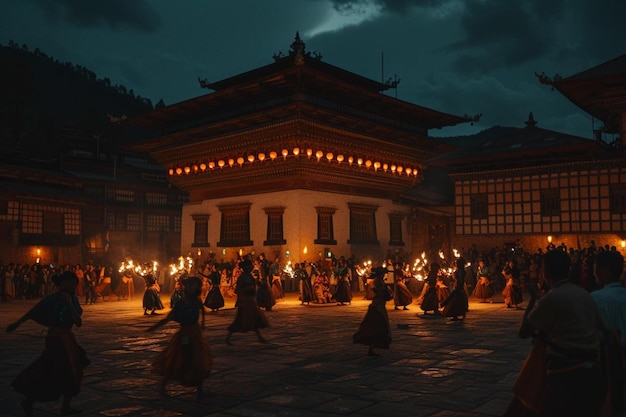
[221, 163]
[211, 165]
[195, 168]
[171, 171]
[285, 152]
[376, 165]
[350, 160]
[319, 155]
[240, 160]
[408, 171]
[305, 250]
[203, 167]
[250, 158]
[296, 151]
[340, 158]
[400, 169]
[309, 152]
[273, 155]
[179, 170]
[385, 167]
[231, 162]
[368, 163]
[261, 156]
[187, 170]
[359, 161]
[329, 156]
[623, 244]
[393, 168]
[550, 239]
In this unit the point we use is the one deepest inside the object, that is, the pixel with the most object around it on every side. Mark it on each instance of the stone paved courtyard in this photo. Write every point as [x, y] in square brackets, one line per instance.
[310, 368]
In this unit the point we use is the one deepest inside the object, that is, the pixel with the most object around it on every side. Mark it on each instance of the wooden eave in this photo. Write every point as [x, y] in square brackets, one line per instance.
[276, 86]
[523, 158]
[490, 173]
[599, 91]
[291, 175]
[603, 98]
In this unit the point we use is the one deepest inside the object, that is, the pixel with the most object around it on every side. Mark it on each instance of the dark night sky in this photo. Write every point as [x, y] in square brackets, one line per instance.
[455, 56]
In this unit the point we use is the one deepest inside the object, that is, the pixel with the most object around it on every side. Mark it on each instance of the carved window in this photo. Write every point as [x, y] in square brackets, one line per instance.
[200, 230]
[395, 229]
[363, 224]
[235, 225]
[325, 231]
[274, 226]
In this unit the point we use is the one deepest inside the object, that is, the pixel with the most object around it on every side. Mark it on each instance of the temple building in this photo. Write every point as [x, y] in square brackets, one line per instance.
[535, 187]
[298, 159]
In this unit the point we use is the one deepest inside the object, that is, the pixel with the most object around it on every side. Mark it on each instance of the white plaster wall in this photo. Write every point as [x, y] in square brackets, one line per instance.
[299, 225]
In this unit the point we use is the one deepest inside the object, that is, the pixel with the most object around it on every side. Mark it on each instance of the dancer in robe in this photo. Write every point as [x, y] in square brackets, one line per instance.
[249, 316]
[187, 357]
[58, 371]
[375, 331]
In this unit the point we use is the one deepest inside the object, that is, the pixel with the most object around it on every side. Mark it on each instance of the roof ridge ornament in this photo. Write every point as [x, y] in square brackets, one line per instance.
[545, 79]
[297, 51]
[531, 122]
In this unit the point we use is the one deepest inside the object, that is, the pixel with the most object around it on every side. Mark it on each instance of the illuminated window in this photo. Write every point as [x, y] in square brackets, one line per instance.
[550, 203]
[274, 226]
[479, 207]
[395, 229]
[363, 224]
[235, 225]
[200, 230]
[325, 232]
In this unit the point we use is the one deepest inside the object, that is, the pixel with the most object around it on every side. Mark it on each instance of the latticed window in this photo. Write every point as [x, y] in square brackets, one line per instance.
[363, 224]
[156, 199]
[275, 226]
[550, 203]
[200, 230]
[235, 225]
[325, 232]
[122, 195]
[38, 219]
[133, 222]
[157, 223]
[395, 229]
[479, 208]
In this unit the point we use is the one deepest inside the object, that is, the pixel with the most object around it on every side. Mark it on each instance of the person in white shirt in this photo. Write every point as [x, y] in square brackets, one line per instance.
[611, 303]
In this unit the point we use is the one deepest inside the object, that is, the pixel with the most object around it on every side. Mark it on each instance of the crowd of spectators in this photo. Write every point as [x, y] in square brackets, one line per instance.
[24, 281]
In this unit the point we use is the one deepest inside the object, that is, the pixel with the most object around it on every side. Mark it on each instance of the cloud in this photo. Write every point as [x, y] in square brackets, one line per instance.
[135, 15]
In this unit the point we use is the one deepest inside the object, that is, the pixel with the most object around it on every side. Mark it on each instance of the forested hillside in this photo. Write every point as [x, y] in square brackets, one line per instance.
[41, 99]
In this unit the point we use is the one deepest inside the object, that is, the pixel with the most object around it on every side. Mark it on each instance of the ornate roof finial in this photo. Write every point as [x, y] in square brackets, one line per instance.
[531, 122]
[297, 50]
